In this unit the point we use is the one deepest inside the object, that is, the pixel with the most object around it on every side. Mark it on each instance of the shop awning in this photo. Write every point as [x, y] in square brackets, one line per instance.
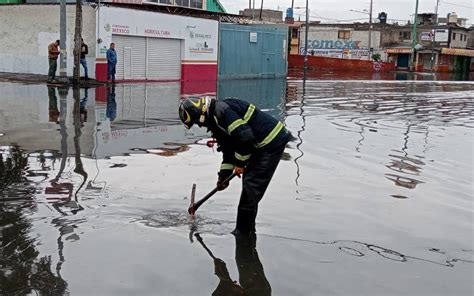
[399, 50]
[458, 52]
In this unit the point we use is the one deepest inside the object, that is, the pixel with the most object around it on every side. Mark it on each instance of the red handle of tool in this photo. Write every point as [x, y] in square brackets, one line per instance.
[193, 208]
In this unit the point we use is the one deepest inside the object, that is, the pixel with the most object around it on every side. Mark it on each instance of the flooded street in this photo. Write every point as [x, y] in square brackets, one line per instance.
[374, 195]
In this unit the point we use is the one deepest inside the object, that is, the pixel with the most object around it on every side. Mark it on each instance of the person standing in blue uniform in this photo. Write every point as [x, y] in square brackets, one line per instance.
[252, 143]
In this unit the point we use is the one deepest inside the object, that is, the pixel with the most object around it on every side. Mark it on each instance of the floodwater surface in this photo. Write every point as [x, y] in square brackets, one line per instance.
[374, 195]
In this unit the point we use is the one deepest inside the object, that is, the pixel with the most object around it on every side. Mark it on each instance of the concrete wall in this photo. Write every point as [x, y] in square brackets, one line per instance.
[27, 30]
[458, 42]
[470, 39]
[272, 16]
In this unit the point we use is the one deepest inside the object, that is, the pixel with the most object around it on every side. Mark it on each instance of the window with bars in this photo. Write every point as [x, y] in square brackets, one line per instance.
[184, 3]
[196, 4]
[405, 35]
[294, 33]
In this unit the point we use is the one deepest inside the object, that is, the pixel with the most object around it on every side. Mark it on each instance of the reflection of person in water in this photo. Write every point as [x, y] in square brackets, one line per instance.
[53, 105]
[111, 112]
[82, 107]
[251, 274]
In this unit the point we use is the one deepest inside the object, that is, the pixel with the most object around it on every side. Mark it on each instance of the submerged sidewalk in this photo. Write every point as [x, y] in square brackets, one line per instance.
[42, 79]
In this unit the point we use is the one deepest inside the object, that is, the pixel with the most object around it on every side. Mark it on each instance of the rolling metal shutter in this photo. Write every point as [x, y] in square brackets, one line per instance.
[131, 56]
[164, 58]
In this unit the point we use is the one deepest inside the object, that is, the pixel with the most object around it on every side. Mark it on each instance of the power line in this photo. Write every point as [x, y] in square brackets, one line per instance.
[454, 4]
[331, 19]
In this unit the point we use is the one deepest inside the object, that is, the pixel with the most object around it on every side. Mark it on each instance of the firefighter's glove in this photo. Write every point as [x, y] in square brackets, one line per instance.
[239, 171]
[221, 181]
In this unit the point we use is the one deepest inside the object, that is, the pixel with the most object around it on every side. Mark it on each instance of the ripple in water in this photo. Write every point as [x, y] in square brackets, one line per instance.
[178, 219]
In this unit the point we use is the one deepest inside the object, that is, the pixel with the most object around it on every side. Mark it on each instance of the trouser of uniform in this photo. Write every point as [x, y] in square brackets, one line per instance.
[53, 66]
[258, 174]
[111, 71]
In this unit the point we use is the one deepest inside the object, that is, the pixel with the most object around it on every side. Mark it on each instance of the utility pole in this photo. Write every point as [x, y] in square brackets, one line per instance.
[77, 42]
[370, 31]
[306, 38]
[414, 37]
[253, 10]
[62, 43]
[433, 32]
[432, 48]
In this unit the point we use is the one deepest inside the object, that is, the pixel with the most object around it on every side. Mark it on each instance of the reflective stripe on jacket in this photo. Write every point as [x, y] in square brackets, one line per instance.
[240, 129]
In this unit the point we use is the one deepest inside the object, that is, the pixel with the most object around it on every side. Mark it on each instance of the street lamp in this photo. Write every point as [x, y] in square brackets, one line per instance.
[306, 38]
[305, 35]
[414, 37]
[370, 25]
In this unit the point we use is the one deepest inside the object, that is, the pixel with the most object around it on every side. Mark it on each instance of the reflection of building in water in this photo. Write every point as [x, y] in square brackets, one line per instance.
[145, 118]
[267, 94]
[30, 115]
[291, 92]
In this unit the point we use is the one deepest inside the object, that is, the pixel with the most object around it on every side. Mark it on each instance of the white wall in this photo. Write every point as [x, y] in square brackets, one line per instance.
[26, 31]
[458, 43]
[194, 31]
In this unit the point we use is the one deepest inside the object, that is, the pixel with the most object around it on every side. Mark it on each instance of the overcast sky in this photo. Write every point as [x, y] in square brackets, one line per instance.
[329, 10]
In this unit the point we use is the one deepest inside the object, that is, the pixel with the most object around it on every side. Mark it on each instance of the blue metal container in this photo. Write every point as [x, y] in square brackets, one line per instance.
[252, 51]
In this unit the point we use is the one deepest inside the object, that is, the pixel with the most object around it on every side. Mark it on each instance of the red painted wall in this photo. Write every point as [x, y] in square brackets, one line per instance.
[101, 71]
[297, 61]
[195, 72]
[189, 72]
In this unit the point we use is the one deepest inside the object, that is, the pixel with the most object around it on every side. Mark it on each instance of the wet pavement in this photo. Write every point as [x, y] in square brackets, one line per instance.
[374, 196]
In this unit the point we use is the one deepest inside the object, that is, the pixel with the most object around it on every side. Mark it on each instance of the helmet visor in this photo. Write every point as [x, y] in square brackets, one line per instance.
[185, 117]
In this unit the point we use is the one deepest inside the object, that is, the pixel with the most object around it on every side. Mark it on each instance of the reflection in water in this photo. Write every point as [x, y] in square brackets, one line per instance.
[170, 149]
[12, 166]
[111, 103]
[356, 136]
[300, 132]
[403, 164]
[22, 271]
[78, 123]
[385, 108]
[252, 279]
[53, 104]
[348, 75]
[360, 249]
[268, 94]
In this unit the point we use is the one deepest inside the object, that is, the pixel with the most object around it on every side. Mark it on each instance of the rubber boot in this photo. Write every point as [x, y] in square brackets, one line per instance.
[245, 222]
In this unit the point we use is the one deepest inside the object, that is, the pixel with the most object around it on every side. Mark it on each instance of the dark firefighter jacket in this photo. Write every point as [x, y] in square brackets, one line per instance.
[241, 129]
